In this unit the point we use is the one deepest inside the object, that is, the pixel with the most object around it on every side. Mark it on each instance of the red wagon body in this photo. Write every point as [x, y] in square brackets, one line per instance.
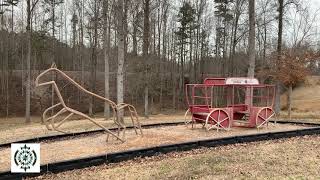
[225, 102]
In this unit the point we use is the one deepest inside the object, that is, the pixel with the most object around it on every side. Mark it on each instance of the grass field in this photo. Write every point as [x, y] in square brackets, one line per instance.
[295, 158]
[305, 97]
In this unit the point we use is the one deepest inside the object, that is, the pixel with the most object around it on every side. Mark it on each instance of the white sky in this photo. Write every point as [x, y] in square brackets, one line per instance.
[314, 5]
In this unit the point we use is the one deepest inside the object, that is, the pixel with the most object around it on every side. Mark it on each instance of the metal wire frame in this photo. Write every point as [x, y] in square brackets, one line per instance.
[116, 108]
[270, 90]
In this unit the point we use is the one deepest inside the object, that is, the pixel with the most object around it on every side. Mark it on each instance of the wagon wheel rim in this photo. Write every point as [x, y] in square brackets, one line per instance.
[212, 122]
[265, 118]
[186, 120]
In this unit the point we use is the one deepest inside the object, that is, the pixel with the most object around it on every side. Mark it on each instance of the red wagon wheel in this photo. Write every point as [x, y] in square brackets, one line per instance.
[219, 119]
[263, 116]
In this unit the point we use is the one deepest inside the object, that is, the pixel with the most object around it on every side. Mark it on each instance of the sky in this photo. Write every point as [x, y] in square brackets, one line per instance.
[313, 4]
[313, 7]
[316, 3]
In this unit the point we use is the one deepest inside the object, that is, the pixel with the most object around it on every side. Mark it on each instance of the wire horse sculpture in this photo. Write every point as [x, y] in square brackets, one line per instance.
[116, 108]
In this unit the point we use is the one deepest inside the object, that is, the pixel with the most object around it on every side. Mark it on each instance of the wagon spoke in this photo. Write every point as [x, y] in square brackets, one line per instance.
[216, 119]
[225, 119]
[270, 116]
[266, 112]
[262, 117]
[213, 119]
[262, 124]
[266, 118]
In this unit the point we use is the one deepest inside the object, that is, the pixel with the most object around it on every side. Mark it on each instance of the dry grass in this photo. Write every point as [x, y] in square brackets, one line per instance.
[306, 98]
[301, 116]
[295, 158]
[84, 146]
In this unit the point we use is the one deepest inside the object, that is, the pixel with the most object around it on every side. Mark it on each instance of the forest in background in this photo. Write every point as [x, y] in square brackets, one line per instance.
[152, 47]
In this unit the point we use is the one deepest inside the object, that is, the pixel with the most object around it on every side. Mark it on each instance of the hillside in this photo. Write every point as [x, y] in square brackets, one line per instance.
[306, 97]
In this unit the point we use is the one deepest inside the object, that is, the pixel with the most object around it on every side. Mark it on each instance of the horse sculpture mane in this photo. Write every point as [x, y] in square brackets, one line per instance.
[52, 125]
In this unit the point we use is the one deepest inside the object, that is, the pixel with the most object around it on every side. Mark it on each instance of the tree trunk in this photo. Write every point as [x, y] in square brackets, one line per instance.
[81, 43]
[249, 91]
[181, 83]
[279, 50]
[164, 49]
[28, 85]
[94, 58]
[125, 26]
[252, 35]
[121, 55]
[146, 102]
[106, 46]
[134, 34]
[191, 63]
[234, 35]
[264, 37]
[7, 79]
[289, 101]
[173, 74]
[53, 20]
[145, 49]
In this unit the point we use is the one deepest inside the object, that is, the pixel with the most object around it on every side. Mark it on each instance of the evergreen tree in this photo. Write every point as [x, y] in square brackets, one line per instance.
[187, 25]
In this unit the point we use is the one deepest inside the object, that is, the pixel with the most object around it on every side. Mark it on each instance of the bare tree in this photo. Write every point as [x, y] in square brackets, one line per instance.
[145, 49]
[234, 39]
[279, 50]
[121, 53]
[106, 52]
[93, 70]
[136, 16]
[164, 49]
[252, 35]
[251, 50]
[28, 78]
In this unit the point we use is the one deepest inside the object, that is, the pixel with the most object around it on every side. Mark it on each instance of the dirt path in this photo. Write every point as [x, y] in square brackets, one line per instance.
[96, 144]
[13, 130]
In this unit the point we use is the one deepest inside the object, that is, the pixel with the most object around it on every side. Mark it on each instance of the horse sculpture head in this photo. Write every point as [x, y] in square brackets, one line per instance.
[52, 68]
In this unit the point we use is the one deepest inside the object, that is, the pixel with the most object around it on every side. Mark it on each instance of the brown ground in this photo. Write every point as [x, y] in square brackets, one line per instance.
[14, 129]
[96, 144]
[294, 158]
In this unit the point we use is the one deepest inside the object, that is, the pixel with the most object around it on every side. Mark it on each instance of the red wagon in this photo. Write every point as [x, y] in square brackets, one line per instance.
[225, 102]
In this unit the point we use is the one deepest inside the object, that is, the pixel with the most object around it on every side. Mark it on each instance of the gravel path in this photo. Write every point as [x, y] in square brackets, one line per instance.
[83, 146]
[28, 131]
